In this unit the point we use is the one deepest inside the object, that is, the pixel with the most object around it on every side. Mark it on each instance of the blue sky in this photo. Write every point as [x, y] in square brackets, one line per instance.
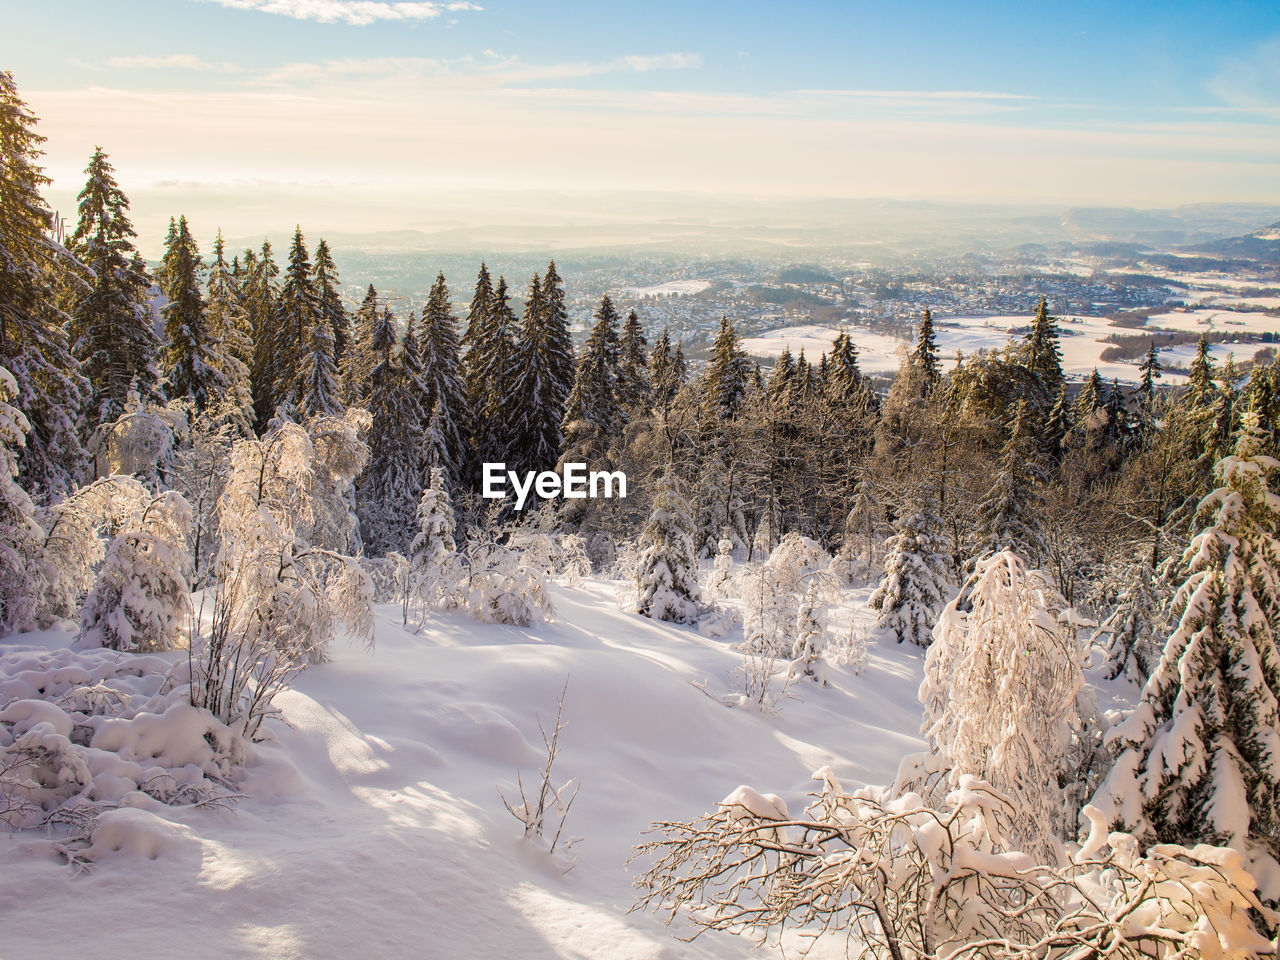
[1140, 104]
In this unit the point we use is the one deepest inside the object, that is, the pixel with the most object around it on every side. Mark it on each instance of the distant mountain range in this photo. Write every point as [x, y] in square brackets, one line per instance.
[1261, 245]
[875, 229]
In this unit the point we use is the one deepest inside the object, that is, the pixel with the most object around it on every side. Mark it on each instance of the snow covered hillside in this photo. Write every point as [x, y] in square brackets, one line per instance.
[372, 824]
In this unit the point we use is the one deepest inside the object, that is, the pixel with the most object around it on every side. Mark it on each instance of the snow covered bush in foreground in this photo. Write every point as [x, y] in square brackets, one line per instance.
[1199, 757]
[277, 600]
[85, 731]
[502, 588]
[917, 581]
[999, 694]
[902, 880]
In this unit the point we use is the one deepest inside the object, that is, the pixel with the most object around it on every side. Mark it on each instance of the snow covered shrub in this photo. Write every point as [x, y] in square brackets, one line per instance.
[84, 731]
[141, 440]
[721, 583]
[339, 453]
[574, 564]
[140, 600]
[1199, 757]
[917, 580]
[666, 579]
[772, 593]
[21, 535]
[277, 600]
[501, 588]
[849, 650]
[999, 695]
[900, 880]
[433, 563]
[74, 544]
[198, 469]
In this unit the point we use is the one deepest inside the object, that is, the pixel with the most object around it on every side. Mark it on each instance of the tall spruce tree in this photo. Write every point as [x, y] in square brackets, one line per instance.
[728, 371]
[1199, 752]
[48, 387]
[190, 357]
[112, 331]
[388, 490]
[492, 368]
[925, 354]
[634, 387]
[329, 301]
[665, 376]
[415, 404]
[561, 368]
[228, 320]
[297, 311]
[1044, 354]
[442, 373]
[539, 411]
[360, 359]
[318, 389]
[1150, 370]
[594, 417]
[259, 297]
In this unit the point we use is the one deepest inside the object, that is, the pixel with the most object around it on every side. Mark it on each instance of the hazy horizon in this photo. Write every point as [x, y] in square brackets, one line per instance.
[369, 116]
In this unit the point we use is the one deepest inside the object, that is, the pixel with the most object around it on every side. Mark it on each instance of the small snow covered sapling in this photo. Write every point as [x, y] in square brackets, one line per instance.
[544, 814]
[666, 579]
[811, 635]
[434, 552]
[772, 592]
[721, 582]
[140, 600]
[850, 650]
[502, 588]
[917, 581]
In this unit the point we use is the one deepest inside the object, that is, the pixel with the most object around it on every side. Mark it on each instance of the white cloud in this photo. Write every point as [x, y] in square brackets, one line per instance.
[918, 94]
[355, 12]
[172, 61]
[465, 72]
[1251, 82]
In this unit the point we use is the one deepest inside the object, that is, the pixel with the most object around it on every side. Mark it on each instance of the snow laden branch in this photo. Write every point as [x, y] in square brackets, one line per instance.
[901, 880]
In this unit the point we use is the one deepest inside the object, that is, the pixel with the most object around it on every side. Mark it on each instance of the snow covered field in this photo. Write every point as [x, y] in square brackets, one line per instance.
[1083, 340]
[672, 288]
[372, 825]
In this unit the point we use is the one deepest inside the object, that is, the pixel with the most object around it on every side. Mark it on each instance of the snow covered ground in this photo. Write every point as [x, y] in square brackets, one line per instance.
[372, 825]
